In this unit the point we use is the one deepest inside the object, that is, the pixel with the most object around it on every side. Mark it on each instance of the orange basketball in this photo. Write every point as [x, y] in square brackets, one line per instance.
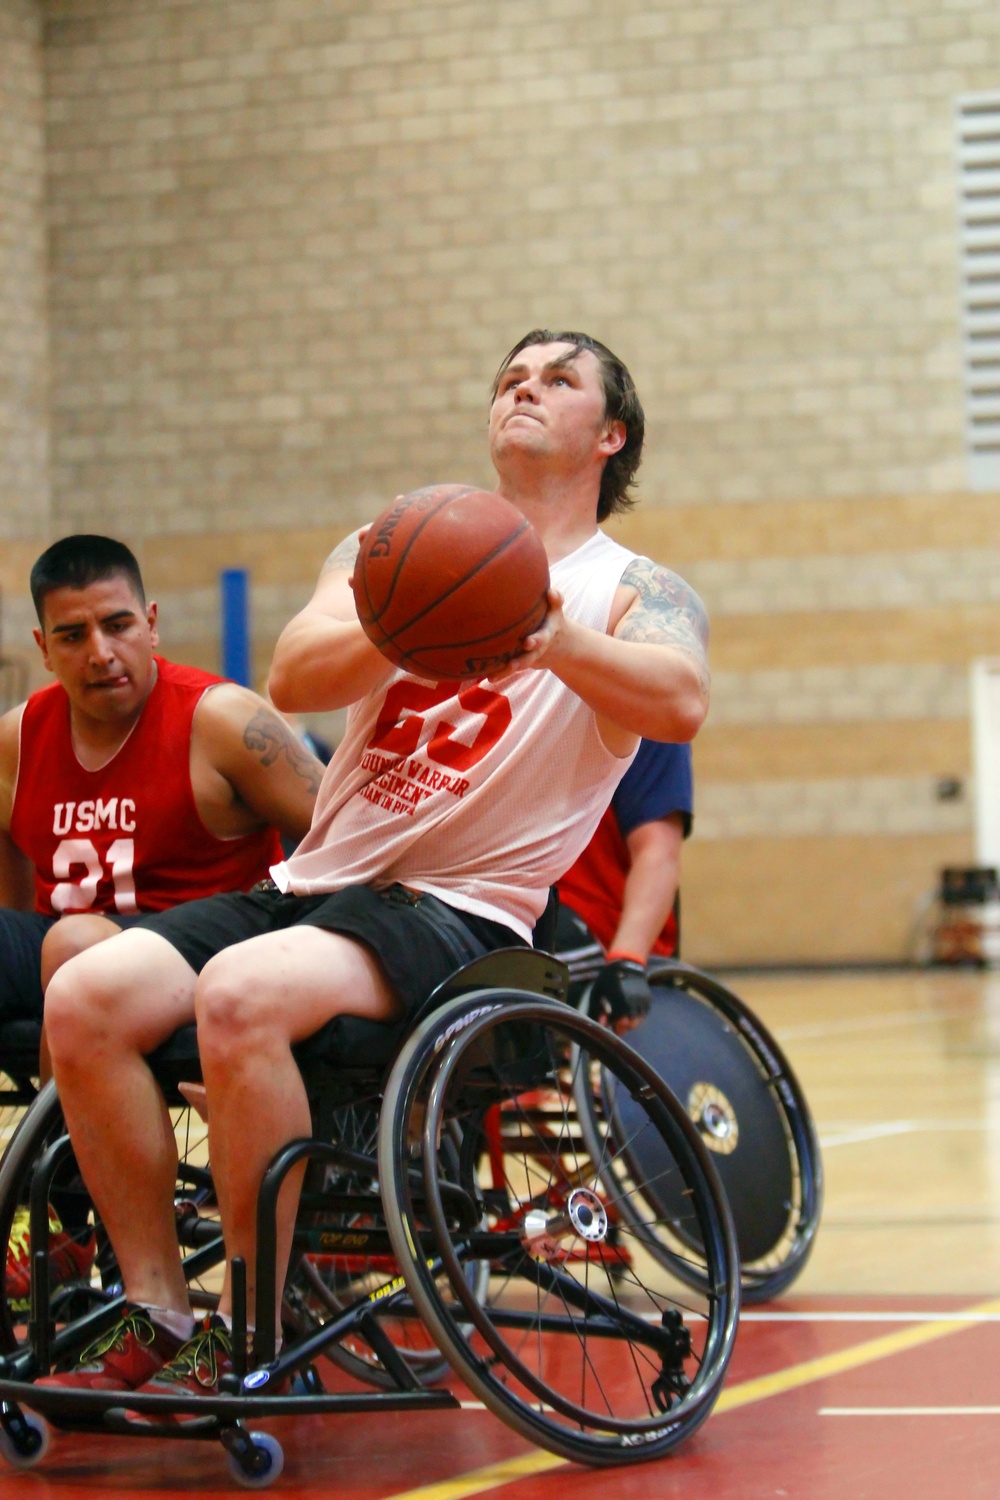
[449, 581]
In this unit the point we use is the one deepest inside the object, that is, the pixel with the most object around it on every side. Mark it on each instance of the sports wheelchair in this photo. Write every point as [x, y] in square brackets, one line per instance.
[723, 1064]
[483, 1191]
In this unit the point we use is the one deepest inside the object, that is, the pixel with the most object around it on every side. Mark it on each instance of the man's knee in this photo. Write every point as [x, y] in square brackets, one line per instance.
[230, 1010]
[127, 995]
[78, 1008]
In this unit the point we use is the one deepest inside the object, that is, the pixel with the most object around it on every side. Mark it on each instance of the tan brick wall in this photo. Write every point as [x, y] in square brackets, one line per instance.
[291, 240]
[24, 416]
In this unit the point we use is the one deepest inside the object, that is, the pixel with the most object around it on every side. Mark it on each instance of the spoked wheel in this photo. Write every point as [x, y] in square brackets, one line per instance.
[749, 1109]
[88, 1279]
[324, 1284]
[583, 1342]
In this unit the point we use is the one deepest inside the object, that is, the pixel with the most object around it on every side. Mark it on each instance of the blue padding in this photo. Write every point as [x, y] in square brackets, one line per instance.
[234, 584]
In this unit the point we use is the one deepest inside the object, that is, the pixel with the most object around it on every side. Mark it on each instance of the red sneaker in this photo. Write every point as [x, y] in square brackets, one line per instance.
[196, 1370]
[125, 1357]
[69, 1259]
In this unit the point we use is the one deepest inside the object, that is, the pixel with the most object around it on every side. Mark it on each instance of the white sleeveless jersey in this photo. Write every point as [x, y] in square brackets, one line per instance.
[482, 795]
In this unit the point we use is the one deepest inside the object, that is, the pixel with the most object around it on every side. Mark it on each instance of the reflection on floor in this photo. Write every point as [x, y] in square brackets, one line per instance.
[903, 1075]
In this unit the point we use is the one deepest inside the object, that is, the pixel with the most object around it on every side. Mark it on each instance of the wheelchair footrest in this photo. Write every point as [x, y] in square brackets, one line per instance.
[68, 1408]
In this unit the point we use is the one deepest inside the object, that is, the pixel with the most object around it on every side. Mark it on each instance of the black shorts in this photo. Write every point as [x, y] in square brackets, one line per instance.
[417, 939]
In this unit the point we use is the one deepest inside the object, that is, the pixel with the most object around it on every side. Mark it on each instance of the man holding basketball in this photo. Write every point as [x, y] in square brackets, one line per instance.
[390, 891]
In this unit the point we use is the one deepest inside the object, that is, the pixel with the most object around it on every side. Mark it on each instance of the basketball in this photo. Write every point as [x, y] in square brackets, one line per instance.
[449, 582]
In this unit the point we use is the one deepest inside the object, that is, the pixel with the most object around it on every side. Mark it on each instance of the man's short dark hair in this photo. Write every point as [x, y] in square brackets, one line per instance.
[75, 562]
[621, 404]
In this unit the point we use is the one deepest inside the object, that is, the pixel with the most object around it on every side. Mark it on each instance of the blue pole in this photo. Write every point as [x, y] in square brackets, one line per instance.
[235, 600]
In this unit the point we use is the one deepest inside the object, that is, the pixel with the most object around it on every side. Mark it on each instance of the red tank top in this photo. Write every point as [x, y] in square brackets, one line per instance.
[128, 837]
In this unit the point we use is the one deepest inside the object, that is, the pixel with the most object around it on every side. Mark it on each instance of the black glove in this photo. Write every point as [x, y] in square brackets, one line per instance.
[621, 991]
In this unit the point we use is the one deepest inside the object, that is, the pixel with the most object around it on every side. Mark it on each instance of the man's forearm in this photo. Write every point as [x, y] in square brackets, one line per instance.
[654, 691]
[321, 663]
[654, 850]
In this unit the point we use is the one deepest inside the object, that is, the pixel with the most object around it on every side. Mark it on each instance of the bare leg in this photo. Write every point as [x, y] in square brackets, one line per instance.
[253, 1001]
[104, 1010]
[70, 936]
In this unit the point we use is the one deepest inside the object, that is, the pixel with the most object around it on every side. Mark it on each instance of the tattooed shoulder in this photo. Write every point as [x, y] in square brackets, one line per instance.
[343, 556]
[666, 610]
[269, 738]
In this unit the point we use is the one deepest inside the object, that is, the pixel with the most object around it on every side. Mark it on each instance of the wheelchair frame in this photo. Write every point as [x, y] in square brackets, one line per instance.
[492, 1036]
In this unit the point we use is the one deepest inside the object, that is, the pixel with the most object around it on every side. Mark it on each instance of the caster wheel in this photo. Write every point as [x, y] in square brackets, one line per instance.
[24, 1439]
[261, 1465]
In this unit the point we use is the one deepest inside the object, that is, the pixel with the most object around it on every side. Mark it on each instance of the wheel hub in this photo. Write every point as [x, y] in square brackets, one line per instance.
[544, 1234]
[715, 1118]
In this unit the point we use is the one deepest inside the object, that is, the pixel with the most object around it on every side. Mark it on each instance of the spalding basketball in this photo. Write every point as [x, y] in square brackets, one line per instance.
[449, 581]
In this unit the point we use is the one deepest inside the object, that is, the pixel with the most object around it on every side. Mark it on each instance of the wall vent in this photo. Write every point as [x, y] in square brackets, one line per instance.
[978, 139]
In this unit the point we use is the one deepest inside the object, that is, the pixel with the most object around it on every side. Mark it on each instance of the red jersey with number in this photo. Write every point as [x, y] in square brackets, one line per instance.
[126, 838]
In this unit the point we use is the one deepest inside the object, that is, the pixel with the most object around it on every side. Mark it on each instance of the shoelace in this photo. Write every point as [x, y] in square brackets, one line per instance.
[136, 1323]
[198, 1359]
[19, 1244]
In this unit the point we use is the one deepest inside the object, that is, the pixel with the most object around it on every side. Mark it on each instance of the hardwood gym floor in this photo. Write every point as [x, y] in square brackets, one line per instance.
[879, 1375]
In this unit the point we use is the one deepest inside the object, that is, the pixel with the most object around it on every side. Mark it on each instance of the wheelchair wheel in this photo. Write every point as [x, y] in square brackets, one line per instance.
[742, 1095]
[76, 1300]
[583, 1342]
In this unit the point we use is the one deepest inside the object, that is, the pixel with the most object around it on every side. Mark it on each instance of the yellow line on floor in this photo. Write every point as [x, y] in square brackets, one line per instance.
[847, 1359]
[748, 1391]
[481, 1480]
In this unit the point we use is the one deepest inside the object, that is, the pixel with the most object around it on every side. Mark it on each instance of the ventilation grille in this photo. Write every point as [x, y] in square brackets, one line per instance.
[978, 127]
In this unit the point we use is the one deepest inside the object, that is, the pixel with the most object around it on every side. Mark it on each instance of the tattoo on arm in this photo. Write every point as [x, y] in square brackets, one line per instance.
[270, 738]
[343, 557]
[666, 612]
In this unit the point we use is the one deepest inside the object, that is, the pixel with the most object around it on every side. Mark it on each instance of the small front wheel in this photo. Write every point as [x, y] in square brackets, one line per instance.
[24, 1437]
[260, 1462]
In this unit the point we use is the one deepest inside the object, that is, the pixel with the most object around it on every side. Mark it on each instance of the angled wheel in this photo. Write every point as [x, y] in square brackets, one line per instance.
[749, 1108]
[583, 1342]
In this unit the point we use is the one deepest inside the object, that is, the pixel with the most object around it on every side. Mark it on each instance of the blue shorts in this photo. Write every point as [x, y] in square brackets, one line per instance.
[21, 937]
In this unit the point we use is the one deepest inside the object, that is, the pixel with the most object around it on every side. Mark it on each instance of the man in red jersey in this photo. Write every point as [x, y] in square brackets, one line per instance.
[617, 902]
[130, 784]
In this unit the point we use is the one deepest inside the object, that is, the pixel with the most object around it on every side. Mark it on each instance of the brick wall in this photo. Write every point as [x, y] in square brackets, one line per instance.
[24, 416]
[290, 240]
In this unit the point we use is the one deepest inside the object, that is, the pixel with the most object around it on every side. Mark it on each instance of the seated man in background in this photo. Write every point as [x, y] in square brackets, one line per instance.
[126, 786]
[619, 900]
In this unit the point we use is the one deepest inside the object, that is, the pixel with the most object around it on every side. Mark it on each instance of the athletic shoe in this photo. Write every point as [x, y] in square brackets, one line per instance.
[195, 1369]
[69, 1259]
[125, 1357]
